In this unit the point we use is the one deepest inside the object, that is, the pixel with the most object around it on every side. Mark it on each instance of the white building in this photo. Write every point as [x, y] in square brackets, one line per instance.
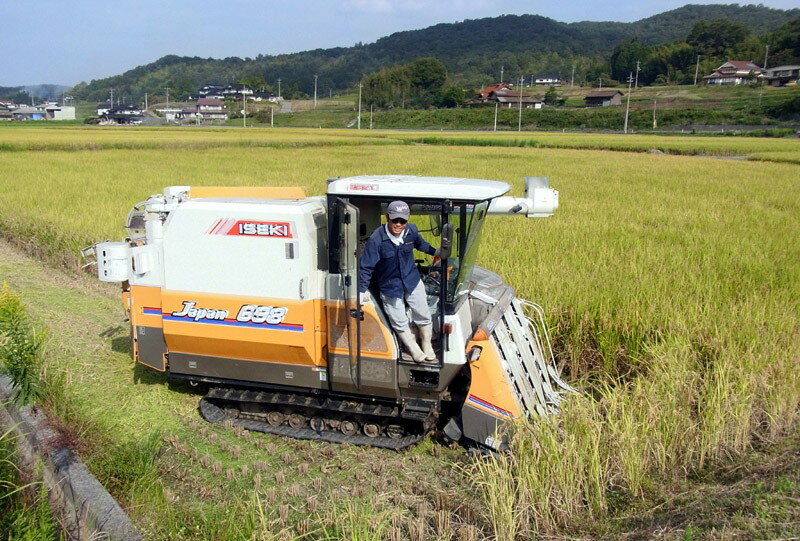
[59, 112]
[170, 113]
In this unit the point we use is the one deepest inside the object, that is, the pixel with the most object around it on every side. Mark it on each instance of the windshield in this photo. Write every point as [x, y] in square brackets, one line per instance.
[467, 220]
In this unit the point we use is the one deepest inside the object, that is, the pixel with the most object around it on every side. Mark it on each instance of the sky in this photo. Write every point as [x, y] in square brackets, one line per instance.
[68, 42]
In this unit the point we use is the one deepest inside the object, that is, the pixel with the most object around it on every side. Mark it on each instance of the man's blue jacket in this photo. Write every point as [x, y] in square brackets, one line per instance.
[392, 267]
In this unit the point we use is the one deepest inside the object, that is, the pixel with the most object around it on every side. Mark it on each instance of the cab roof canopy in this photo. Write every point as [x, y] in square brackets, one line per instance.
[399, 186]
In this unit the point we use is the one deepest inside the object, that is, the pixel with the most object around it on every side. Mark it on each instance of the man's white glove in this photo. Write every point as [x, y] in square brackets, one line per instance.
[364, 298]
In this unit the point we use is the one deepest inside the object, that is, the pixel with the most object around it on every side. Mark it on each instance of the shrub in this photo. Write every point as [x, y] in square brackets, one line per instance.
[20, 348]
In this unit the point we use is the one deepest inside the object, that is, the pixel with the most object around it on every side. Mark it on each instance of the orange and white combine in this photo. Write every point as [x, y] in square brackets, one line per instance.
[252, 292]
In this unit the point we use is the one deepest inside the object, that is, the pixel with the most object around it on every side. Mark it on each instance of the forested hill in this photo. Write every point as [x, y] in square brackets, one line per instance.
[472, 51]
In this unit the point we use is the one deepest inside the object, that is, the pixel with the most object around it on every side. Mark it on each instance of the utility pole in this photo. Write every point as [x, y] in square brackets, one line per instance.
[636, 84]
[601, 81]
[315, 91]
[244, 110]
[279, 87]
[112, 98]
[519, 122]
[271, 116]
[359, 106]
[370, 116]
[572, 79]
[696, 70]
[501, 73]
[167, 97]
[628, 106]
[145, 101]
[761, 91]
[655, 124]
[496, 106]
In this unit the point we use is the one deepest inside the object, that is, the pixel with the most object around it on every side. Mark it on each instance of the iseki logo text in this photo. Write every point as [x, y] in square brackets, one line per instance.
[248, 228]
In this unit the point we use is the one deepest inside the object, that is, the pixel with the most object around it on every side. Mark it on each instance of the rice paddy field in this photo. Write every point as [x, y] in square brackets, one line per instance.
[670, 280]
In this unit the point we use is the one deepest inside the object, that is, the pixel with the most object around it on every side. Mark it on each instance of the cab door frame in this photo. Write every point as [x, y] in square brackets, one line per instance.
[345, 234]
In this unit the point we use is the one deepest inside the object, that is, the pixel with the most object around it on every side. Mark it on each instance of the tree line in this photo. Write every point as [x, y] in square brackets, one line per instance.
[713, 42]
[422, 83]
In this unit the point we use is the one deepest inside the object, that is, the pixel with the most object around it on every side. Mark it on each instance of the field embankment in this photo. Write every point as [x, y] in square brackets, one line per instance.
[671, 284]
[680, 108]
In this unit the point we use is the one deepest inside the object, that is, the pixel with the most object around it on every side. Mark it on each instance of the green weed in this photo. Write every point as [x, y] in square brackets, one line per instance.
[25, 512]
[20, 348]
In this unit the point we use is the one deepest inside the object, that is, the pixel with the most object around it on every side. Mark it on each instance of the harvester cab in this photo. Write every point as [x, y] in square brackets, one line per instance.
[254, 293]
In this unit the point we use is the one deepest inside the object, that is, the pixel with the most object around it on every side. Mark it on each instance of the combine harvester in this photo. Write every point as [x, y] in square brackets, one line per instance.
[253, 293]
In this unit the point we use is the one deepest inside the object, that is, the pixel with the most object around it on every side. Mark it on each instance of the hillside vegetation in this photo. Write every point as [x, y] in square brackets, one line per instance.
[471, 50]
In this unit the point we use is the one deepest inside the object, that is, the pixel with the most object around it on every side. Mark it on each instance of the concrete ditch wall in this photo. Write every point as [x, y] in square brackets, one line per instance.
[83, 507]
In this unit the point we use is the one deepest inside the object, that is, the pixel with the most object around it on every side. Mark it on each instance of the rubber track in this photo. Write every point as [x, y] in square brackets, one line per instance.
[215, 414]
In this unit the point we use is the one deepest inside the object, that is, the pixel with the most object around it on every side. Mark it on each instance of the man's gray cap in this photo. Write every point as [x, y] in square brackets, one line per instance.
[398, 209]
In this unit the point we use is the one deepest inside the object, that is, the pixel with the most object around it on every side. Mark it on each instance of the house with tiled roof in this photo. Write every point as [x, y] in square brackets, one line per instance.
[513, 98]
[205, 109]
[734, 72]
[211, 91]
[209, 104]
[486, 93]
[211, 109]
[788, 75]
[263, 95]
[236, 91]
[603, 98]
[504, 96]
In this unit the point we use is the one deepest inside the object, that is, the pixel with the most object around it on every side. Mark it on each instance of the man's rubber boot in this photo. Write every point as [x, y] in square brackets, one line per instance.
[425, 335]
[407, 338]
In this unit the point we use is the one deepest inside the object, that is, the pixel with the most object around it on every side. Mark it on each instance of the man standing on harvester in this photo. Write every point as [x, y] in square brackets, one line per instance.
[388, 256]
